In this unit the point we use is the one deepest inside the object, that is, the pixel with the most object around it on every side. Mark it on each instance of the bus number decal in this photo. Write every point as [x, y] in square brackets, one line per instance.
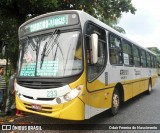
[51, 93]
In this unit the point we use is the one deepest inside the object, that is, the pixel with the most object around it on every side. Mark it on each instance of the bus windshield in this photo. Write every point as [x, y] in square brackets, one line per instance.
[51, 55]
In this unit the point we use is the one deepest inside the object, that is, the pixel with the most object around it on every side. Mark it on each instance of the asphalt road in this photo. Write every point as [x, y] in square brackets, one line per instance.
[143, 109]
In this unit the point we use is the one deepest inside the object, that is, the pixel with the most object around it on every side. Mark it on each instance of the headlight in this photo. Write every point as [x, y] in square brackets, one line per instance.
[18, 94]
[73, 93]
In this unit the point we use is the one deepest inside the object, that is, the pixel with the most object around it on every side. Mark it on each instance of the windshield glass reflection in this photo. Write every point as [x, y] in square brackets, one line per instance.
[55, 55]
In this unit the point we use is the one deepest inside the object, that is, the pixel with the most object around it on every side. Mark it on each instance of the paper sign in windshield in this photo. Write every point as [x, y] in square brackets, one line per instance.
[126, 59]
[49, 68]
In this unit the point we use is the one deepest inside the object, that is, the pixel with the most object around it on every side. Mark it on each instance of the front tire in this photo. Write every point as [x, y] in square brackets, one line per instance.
[115, 102]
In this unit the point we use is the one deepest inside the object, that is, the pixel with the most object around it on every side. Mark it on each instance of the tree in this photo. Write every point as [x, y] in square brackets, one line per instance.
[107, 11]
[9, 39]
[14, 12]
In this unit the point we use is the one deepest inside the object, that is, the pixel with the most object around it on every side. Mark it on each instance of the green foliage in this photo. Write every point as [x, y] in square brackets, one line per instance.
[117, 28]
[107, 11]
[9, 38]
[15, 12]
[155, 50]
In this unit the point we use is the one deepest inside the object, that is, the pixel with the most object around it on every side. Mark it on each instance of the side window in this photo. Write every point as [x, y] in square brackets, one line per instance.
[136, 54]
[127, 53]
[143, 58]
[148, 60]
[94, 70]
[101, 53]
[152, 61]
[155, 61]
[115, 50]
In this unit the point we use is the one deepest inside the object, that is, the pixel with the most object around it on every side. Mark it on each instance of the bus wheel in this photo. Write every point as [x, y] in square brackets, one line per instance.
[149, 88]
[115, 102]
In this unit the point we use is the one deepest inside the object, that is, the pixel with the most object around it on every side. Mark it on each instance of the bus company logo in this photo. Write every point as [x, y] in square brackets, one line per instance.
[137, 72]
[124, 72]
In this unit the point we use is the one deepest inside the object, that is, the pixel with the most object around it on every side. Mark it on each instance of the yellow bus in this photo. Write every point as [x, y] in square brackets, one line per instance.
[72, 66]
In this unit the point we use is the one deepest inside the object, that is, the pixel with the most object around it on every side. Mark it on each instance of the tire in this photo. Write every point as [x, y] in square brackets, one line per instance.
[149, 88]
[115, 102]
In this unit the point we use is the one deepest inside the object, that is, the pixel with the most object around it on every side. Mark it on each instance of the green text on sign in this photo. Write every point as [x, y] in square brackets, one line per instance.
[49, 23]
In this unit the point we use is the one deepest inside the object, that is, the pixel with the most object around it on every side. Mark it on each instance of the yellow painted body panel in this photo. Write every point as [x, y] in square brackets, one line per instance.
[98, 99]
[101, 99]
[146, 84]
[128, 91]
[143, 85]
[73, 110]
[134, 87]
[154, 79]
[96, 85]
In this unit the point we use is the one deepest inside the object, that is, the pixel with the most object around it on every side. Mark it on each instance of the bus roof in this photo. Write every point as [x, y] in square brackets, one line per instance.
[84, 17]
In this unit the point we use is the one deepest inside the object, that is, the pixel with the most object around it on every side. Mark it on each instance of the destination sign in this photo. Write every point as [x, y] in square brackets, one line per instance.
[48, 22]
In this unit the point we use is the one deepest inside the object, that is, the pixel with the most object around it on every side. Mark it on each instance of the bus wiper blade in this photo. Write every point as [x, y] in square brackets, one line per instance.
[43, 54]
[32, 44]
[46, 47]
[52, 45]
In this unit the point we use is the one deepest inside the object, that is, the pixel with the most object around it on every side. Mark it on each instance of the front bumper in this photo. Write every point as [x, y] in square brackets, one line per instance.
[72, 110]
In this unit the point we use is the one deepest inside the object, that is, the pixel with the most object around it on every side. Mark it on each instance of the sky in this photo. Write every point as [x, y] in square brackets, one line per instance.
[143, 27]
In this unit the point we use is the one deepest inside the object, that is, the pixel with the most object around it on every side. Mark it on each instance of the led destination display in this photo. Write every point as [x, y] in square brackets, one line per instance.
[49, 22]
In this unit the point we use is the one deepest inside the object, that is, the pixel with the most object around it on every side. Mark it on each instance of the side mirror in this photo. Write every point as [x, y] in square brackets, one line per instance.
[94, 46]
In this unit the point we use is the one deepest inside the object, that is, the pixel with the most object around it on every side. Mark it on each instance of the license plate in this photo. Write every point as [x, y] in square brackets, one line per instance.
[36, 107]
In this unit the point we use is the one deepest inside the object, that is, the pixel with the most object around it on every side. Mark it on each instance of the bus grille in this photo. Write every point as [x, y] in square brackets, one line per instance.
[40, 85]
[42, 99]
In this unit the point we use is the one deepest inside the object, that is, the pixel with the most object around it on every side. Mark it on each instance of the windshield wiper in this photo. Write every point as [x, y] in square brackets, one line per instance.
[58, 46]
[33, 46]
[43, 54]
[47, 48]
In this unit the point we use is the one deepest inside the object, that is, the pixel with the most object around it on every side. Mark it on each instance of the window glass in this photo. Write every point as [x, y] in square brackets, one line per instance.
[148, 60]
[154, 58]
[151, 60]
[155, 61]
[127, 53]
[94, 29]
[58, 55]
[94, 70]
[136, 54]
[143, 58]
[115, 50]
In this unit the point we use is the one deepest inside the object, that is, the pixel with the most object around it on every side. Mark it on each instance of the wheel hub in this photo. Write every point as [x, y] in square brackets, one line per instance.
[116, 101]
